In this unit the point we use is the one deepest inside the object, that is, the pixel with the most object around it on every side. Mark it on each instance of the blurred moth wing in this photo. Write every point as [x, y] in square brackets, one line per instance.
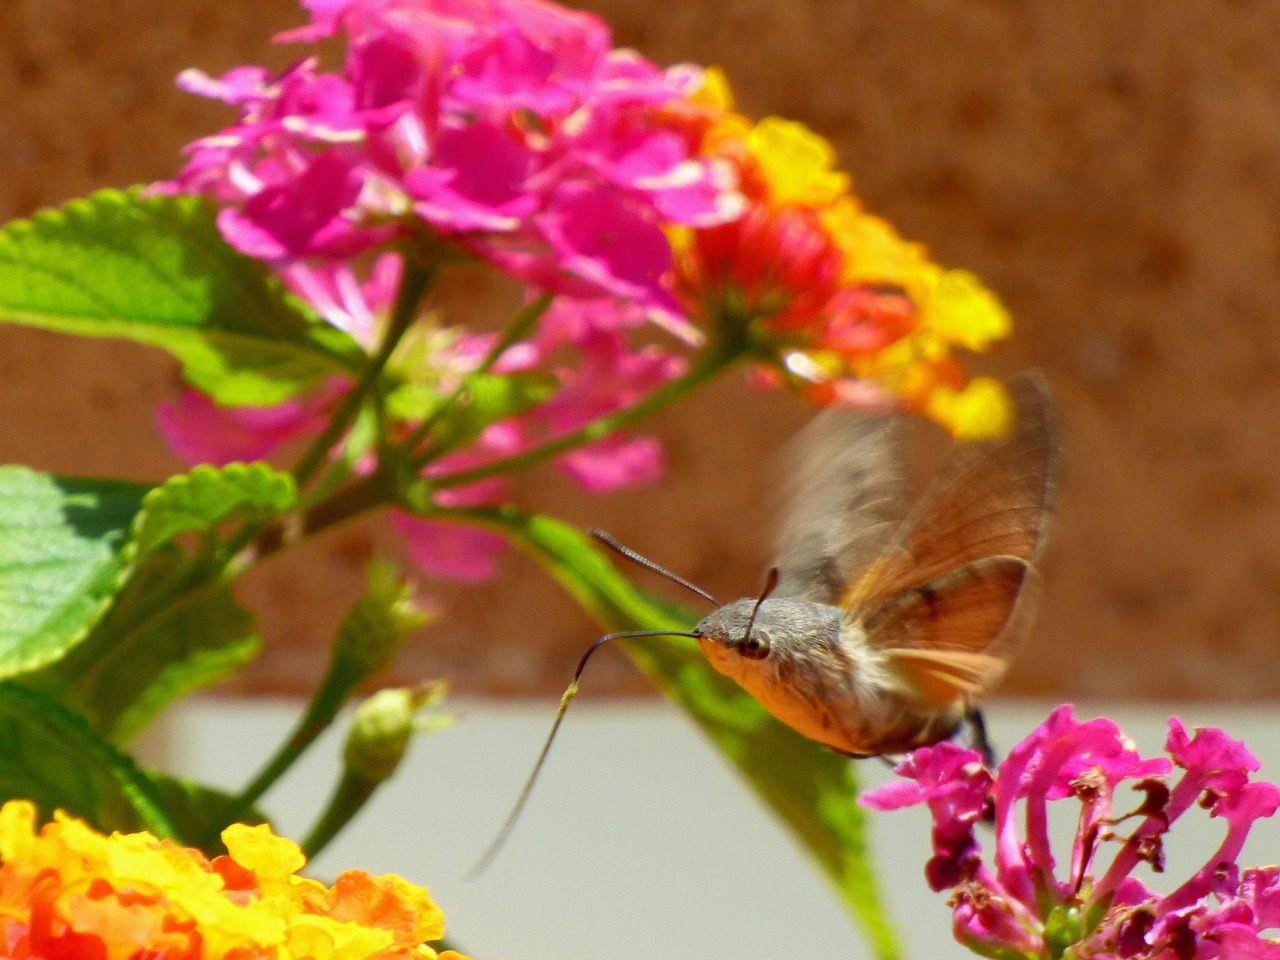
[944, 595]
[950, 598]
[843, 488]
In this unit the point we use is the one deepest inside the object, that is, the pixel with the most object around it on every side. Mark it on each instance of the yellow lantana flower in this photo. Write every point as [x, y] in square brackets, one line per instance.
[981, 410]
[66, 890]
[796, 163]
[832, 299]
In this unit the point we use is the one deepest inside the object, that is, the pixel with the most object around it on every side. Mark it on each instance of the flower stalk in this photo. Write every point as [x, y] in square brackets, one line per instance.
[413, 287]
[367, 639]
[381, 731]
[516, 331]
[707, 367]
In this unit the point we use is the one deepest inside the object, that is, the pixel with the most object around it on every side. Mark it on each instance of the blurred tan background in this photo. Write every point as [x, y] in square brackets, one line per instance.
[1111, 170]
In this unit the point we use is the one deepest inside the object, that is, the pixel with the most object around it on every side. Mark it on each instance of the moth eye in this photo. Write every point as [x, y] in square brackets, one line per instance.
[754, 647]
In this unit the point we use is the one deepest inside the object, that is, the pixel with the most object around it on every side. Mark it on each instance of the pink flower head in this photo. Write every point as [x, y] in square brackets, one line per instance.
[1023, 908]
[1061, 758]
[509, 127]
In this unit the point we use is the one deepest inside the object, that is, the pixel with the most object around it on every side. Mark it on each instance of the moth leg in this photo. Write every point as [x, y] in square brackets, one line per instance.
[889, 760]
[978, 738]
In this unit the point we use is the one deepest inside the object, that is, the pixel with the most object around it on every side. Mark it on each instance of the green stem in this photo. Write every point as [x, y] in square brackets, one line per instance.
[516, 331]
[320, 712]
[413, 286]
[196, 575]
[347, 800]
[704, 369]
[365, 494]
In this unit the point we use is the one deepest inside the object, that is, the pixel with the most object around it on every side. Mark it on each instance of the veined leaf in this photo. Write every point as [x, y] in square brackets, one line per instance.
[74, 548]
[154, 269]
[138, 659]
[49, 755]
[207, 496]
[63, 555]
[811, 789]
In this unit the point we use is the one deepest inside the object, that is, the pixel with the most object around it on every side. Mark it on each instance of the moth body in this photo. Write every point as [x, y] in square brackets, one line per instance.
[812, 668]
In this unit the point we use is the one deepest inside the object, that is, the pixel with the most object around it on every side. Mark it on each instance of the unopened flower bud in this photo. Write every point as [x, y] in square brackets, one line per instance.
[384, 725]
[372, 630]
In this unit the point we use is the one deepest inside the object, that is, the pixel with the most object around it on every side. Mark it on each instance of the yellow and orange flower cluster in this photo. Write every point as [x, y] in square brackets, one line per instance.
[851, 311]
[67, 891]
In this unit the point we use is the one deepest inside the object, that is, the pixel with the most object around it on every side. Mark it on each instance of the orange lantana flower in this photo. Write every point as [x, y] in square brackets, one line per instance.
[832, 299]
[68, 891]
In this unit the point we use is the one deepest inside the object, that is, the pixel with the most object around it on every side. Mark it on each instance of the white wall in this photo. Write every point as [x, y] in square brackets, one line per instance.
[638, 842]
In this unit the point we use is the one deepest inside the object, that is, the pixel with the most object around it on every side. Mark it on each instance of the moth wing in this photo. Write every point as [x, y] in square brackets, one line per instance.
[844, 486]
[951, 639]
[951, 597]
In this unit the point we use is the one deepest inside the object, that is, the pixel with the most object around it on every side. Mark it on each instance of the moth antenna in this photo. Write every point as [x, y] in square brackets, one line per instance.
[491, 853]
[770, 584]
[649, 565]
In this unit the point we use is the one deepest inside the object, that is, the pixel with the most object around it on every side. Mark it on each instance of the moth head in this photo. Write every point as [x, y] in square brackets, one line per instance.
[739, 630]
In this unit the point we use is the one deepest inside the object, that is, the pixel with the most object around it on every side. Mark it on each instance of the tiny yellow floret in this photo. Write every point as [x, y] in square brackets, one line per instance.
[982, 410]
[796, 163]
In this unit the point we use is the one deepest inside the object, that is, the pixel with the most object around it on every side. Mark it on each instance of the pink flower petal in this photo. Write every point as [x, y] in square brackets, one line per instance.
[237, 86]
[614, 463]
[450, 551]
[200, 431]
[611, 241]
[299, 217]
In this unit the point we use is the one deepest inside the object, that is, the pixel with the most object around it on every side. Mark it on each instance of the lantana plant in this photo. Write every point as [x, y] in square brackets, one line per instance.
[291, 266]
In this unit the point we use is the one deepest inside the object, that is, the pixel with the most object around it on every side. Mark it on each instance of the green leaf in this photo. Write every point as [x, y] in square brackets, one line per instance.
[812, 789]
[69, 556]
[207, 496]
[191, 806]
[49, 755]
[63, 555]
[154, 269]
[163, 639]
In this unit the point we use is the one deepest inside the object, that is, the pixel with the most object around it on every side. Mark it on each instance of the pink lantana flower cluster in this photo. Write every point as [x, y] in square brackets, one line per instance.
[670, 235]
[508, 127]
[1019, 905]
[507, 130]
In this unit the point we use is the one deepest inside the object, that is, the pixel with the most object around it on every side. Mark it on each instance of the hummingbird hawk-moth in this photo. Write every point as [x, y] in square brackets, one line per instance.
[881, 626]
[886, 625]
